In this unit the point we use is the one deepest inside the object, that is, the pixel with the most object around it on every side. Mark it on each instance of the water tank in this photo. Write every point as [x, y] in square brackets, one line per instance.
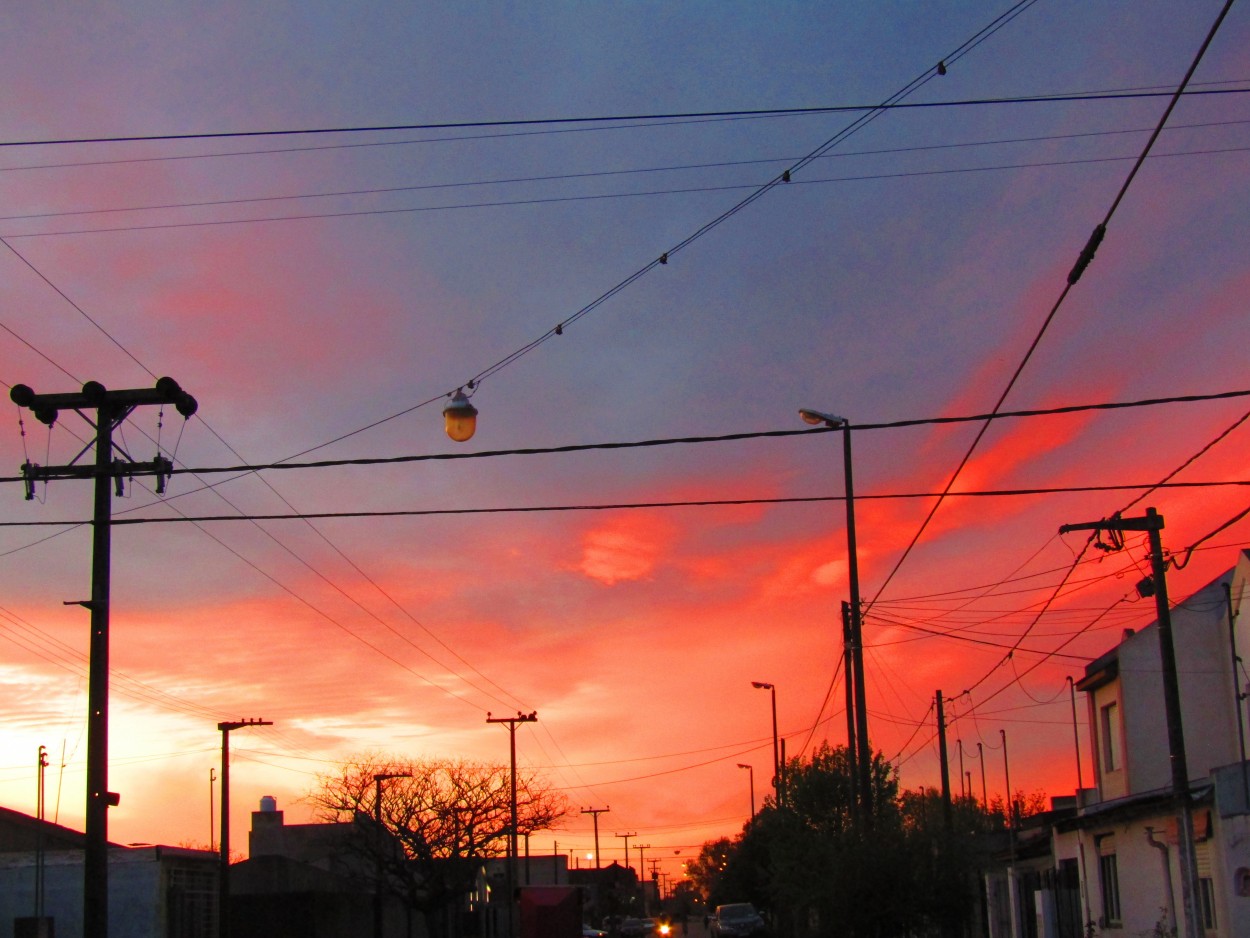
[268, 803]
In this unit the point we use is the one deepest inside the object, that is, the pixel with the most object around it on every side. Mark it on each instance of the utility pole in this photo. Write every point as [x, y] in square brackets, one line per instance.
[641, 866]
[223, 875]
[383, 844]
[985, 796]
[511, 723]
[627, 836]
[1238, 696]
[212, 826]
[963, 791]
[1011, 802]
[596, 812]
[111, 409]
[41, 815]
[944, 763]
[1152, 524]
[848, 669]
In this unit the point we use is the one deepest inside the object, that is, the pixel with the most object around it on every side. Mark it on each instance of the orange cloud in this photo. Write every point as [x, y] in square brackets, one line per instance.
[627, 547]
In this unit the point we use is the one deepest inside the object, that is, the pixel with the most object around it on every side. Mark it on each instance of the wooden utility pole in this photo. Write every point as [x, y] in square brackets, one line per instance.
[944, 763]
[1152, 524]
[596, 812]
[223, 875]
[111, 409]
[511, 723]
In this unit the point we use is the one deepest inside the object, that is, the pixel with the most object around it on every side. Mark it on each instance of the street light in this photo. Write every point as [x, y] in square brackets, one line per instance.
[818, 418]
[764, 685]
[377, 817]
[460, 417]
[751, 775]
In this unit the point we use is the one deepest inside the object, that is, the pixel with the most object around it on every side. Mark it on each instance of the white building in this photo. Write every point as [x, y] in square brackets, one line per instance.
[1123, 843]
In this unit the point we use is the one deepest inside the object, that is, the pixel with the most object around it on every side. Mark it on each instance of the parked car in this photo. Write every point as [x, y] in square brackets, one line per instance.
[736, 920]
[636, 928]
[589, 931]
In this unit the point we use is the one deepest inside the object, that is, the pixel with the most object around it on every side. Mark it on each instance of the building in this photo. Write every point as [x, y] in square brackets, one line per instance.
[154, 891]
[311, 879]
[1113, 866]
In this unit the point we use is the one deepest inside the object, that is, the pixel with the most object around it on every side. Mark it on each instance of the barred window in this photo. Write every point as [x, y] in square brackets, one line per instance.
[1109, 880]
[1206, 889]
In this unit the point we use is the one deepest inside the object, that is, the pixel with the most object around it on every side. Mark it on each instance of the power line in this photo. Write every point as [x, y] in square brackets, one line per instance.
[719, 438]
[607, 119]
[626, 506]
[1083, 261]
[515, 203]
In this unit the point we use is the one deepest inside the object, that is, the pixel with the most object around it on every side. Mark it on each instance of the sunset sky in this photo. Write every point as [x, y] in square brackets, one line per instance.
[320, 293]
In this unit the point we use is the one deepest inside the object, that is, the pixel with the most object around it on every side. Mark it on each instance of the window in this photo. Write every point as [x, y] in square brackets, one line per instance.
[1206, 889]
[1111, 756]
[1109, 881]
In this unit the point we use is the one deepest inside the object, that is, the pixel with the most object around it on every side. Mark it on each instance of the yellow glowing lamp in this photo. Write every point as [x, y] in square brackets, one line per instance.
[460, 417]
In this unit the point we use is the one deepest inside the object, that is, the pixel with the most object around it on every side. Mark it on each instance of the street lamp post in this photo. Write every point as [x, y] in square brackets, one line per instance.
[751, 775]
[777, 783]
[818, 418]
[377, 819]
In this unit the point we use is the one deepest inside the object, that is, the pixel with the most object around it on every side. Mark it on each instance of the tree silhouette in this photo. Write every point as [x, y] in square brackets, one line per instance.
[444, 817]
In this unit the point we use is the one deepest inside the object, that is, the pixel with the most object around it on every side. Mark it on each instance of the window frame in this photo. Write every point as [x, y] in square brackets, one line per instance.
[1109, 723]
[1109, 887]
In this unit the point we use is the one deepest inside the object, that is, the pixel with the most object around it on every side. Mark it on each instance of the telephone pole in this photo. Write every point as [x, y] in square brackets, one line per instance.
[111, 410]
[223, 875]
[511, 723]
[596, 812]
[627, 836]
[642, 863]
[1152, 524]
[944, 762]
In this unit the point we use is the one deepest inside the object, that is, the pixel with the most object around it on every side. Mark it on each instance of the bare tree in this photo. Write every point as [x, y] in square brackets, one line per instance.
[448, 815]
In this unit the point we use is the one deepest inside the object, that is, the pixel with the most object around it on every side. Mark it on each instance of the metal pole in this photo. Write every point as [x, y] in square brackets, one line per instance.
[777, 790]
[765, 685]
[751, 779]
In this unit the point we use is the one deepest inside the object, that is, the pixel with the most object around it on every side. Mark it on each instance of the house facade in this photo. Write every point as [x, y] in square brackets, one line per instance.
[1114, 867]
[154, 891]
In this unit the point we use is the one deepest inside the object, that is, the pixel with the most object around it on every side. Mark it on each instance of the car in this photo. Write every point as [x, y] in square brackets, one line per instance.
[589, 931]
[736, 920]
[636, 928]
